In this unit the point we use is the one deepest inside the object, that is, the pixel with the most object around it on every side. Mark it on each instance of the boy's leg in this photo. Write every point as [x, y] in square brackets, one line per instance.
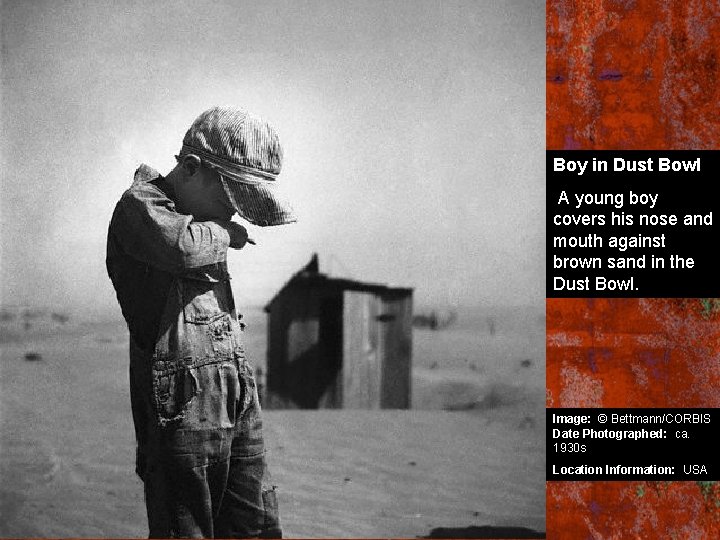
[181, 500]
[189, 458]
[249, 506]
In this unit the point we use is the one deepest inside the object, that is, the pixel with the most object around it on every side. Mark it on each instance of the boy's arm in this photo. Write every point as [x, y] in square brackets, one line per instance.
[150, 229]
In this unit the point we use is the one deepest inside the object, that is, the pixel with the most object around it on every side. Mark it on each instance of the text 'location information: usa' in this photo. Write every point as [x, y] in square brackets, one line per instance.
[632, 444]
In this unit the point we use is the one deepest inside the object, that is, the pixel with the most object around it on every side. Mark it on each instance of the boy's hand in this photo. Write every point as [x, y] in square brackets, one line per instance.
[238, 235]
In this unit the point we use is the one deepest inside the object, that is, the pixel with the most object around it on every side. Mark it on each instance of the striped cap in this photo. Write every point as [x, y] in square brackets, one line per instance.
[246, 152]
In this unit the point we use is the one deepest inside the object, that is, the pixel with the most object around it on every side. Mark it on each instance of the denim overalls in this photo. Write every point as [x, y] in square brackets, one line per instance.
[194, 400]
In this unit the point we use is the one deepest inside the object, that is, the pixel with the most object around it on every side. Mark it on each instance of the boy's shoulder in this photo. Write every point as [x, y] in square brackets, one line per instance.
[145, 174]
[145, 186]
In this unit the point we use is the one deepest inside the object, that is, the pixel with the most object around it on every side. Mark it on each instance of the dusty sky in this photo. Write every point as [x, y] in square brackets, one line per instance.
[413, 135]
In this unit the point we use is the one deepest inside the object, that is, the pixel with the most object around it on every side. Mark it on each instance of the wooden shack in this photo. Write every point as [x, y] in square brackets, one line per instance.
[338, 343]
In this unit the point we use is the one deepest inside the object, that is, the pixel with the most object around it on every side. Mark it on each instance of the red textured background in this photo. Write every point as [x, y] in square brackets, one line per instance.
[633, 74]
[633, 353]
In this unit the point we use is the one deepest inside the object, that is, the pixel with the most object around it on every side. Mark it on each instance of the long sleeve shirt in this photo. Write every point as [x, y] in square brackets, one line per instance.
[151, 245]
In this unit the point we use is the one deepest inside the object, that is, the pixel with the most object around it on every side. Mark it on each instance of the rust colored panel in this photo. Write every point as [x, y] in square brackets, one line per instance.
[633, 510]
[633, 74]
[633, 353]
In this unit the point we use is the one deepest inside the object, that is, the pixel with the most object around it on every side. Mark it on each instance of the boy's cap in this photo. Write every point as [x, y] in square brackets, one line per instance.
[246, 152]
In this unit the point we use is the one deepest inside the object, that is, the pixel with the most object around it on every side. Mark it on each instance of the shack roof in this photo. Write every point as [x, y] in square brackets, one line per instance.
[309, 277]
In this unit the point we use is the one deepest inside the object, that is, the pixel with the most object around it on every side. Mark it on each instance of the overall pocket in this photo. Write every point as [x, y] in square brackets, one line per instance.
[174, 385]
[203, 394]
[209, 328]
[205, 301]
[195, 368]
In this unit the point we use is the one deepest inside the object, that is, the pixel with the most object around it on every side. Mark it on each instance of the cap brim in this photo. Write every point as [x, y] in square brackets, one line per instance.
[259, 203]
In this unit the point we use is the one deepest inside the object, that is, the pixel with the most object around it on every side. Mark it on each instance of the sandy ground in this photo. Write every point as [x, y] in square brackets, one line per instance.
[67, 443]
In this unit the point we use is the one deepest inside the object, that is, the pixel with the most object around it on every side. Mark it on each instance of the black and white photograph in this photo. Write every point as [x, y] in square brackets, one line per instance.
[272, 269]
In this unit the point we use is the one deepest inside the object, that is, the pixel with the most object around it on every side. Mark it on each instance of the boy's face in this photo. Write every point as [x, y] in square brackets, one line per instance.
[203, 196]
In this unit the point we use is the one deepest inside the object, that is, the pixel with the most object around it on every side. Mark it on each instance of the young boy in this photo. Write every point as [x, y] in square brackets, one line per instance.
[200, 450]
